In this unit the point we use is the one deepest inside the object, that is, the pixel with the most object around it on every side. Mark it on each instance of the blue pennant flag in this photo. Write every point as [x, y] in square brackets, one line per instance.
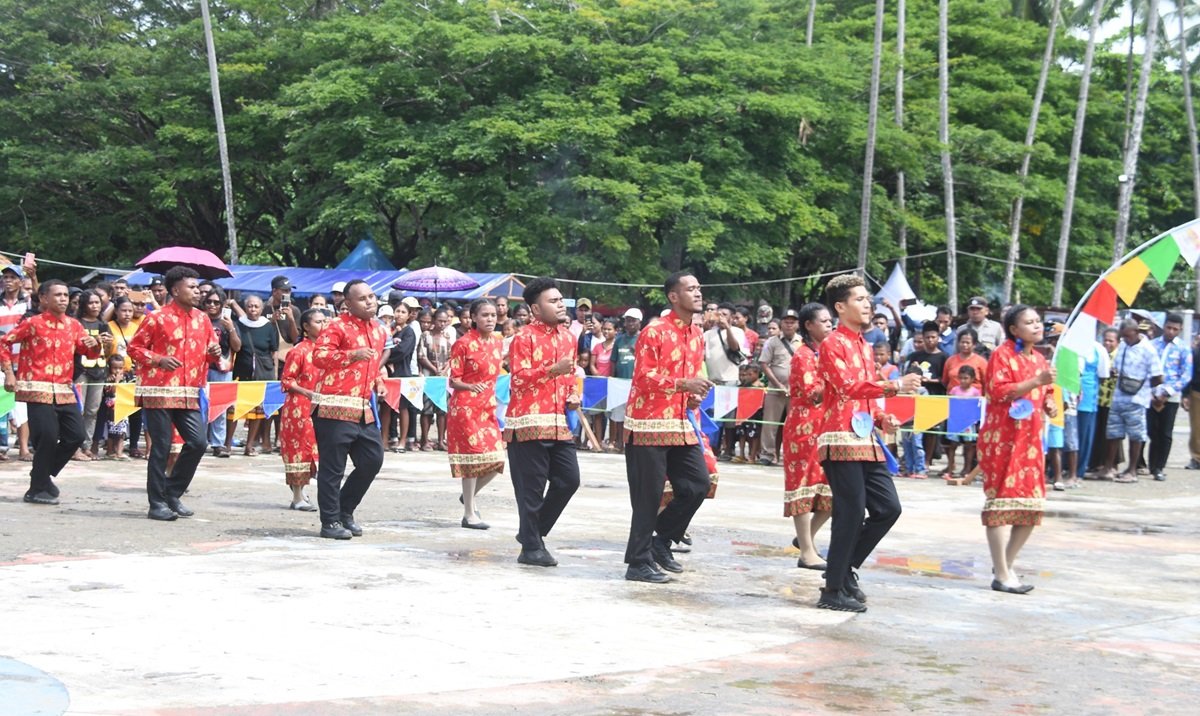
[204, 405]
[435, 390]
[573, 420]
[375, 411]
[709, 403]
[273, 398]
[709, 427]
[503, 389]
[964, 412]
[893, 465]
[595, 392]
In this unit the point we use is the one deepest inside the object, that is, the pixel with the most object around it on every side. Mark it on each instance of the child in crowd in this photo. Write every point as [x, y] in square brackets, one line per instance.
[886, 371]
[747, 434]
[583, 363]
[114, 431]
[1068, 479]
[914, 451]
[965, 388]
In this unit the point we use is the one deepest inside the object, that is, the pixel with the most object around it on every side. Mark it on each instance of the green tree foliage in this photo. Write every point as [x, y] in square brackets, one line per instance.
[606, 140]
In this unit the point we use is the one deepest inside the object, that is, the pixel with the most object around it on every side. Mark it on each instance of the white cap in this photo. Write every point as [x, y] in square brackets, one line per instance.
[665, 312]
[385, 311]
[634, 313]
[339, 287]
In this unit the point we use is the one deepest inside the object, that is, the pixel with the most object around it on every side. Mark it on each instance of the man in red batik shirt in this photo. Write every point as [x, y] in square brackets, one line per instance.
[172, 349]
[541, 448]
[660, 439]
[350, 351]
[848, 448]
[49, 343]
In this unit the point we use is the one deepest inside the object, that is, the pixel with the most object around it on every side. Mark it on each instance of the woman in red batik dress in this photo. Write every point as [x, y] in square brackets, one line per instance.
[807, 498]
[1010, 444]
[297, 441]
[473, 436]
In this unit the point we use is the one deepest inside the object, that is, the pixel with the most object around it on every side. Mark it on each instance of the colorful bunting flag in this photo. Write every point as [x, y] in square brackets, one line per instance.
[618, 392]
[504, 389]
[436, 389]
[123, 403]
[1066, 362]
[901, 407]
[1057, 397]
[221, 396]
[1187, 238]
[273, 398]
[249, 396]
[595, 391]
[725, 400]
[964, 412]
[8, 401]
[391, 392]
[749, 402]
[1102, 303]
[1127, 279]
[930, 411]
[1081, 335]
[1161, 258]
[413, 390]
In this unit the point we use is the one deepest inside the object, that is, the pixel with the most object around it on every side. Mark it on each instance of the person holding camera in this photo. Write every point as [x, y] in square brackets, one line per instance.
[722, 356]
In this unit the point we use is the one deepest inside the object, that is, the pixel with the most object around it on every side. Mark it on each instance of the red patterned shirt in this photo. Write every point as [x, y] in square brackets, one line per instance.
[184, 336]
[344, 391]
[847, 366]
[47, 359]
[537, 407]
[668, 350]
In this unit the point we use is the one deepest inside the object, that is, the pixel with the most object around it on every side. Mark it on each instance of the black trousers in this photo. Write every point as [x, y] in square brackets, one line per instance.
[857, 486]
[161, 487]
[1160, 425]
[646, 466]
[534, 464]
[56, 432]
[336, 441]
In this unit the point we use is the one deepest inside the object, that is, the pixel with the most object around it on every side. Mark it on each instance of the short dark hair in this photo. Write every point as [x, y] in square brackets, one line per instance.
[966, 370]
[877, 316]
[1010, 318]
[1174, 318]
[480, 303]
[839, 287]
[104, 286]
[726, 306]
[45, 286]
[674, 280]
[745, 311]
[974, 334]
[945, 311]
[177, 274]
[351, 284]
[930, 327]
[535, 288]
[884, 345]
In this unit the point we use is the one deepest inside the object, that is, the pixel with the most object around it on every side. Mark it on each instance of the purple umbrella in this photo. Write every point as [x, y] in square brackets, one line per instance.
[206, 263]
[434, 279]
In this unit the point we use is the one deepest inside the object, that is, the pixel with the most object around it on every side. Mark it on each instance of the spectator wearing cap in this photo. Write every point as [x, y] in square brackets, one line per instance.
[623, 349]
[387, 316]
[14, 304]
[158, 294]
[338, 293]
[1139, 372]
[776, 362]
[583, 314]
[765, 315]
[284, 314]
[990, 333]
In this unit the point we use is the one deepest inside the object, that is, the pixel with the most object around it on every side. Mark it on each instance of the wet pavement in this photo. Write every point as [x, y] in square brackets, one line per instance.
[243, 610]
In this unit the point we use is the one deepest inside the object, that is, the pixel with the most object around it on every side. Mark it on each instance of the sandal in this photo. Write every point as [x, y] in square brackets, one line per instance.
[1126, 479]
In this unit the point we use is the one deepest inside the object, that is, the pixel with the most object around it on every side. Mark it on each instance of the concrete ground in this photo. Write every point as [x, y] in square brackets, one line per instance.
[243, 610]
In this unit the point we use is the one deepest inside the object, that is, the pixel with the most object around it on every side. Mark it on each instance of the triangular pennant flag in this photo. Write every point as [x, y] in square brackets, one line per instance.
[203, 400]
[436, 391]
[618, 392]
[964, 412]
[1127, 280]
[220, 397]
[8, 401]
[709, 426]
[1187, 238]
[931, 410]
[725, 400]
[1066, 362]
[123, 403]
[901, 407]
[249, 396]
[595, 391]
[1102, 303]
[707, 402]
[413, 390]
[273, 398]
[78, 397]
[1161, 258]
[1057, 396]
[374, 403]
[391, 392]
[504, 389]
[1081, 335]
[750, 401]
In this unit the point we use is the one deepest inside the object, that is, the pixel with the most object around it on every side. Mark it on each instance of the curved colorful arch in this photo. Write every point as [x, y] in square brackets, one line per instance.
[1124, 280]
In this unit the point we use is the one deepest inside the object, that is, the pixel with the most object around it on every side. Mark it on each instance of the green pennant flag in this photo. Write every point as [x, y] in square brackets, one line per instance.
[8, 401]
[1066, 362]
[1161, 258]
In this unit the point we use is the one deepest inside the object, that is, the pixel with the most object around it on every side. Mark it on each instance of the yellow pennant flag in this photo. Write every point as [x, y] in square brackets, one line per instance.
[249, 396]
[931, 410]
[1128, 279]
[124, 404]
[1057, 397]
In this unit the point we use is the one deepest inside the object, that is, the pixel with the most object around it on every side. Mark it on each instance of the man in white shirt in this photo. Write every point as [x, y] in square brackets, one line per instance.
[723, 348]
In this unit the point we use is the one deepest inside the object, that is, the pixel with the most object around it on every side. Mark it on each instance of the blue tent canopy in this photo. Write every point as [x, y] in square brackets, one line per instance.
[367, 256]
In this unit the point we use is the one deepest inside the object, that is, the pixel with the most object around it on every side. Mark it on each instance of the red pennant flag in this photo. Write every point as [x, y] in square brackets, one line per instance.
[391, 394]
[902, 407]
[1102, 303]
[750, 401]
[220, 397]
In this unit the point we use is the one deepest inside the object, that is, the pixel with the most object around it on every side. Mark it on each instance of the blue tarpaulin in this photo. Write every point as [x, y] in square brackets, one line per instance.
[367, 256]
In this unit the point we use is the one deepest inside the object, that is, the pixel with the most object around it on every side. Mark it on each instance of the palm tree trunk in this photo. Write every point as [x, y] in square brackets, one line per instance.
[1125, 194]
[1014, 237]
[1085, 81]
[222, 146]
[812, 11]
[947, 168]
[864, 215]
[1186, 71]
[902, 229]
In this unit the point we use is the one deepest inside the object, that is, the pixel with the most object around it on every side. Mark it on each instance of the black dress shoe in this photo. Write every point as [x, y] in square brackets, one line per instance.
[839, 601]
[475, 525]
[1160, 476]
[805, 565]
[334, 530]
[645, 573]
[851, 587]
[999, 586]
[660, 550]
[537, 558]
[162, 513]
[177, 507]
[41, 498]
[53, 490]
[349, 523]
